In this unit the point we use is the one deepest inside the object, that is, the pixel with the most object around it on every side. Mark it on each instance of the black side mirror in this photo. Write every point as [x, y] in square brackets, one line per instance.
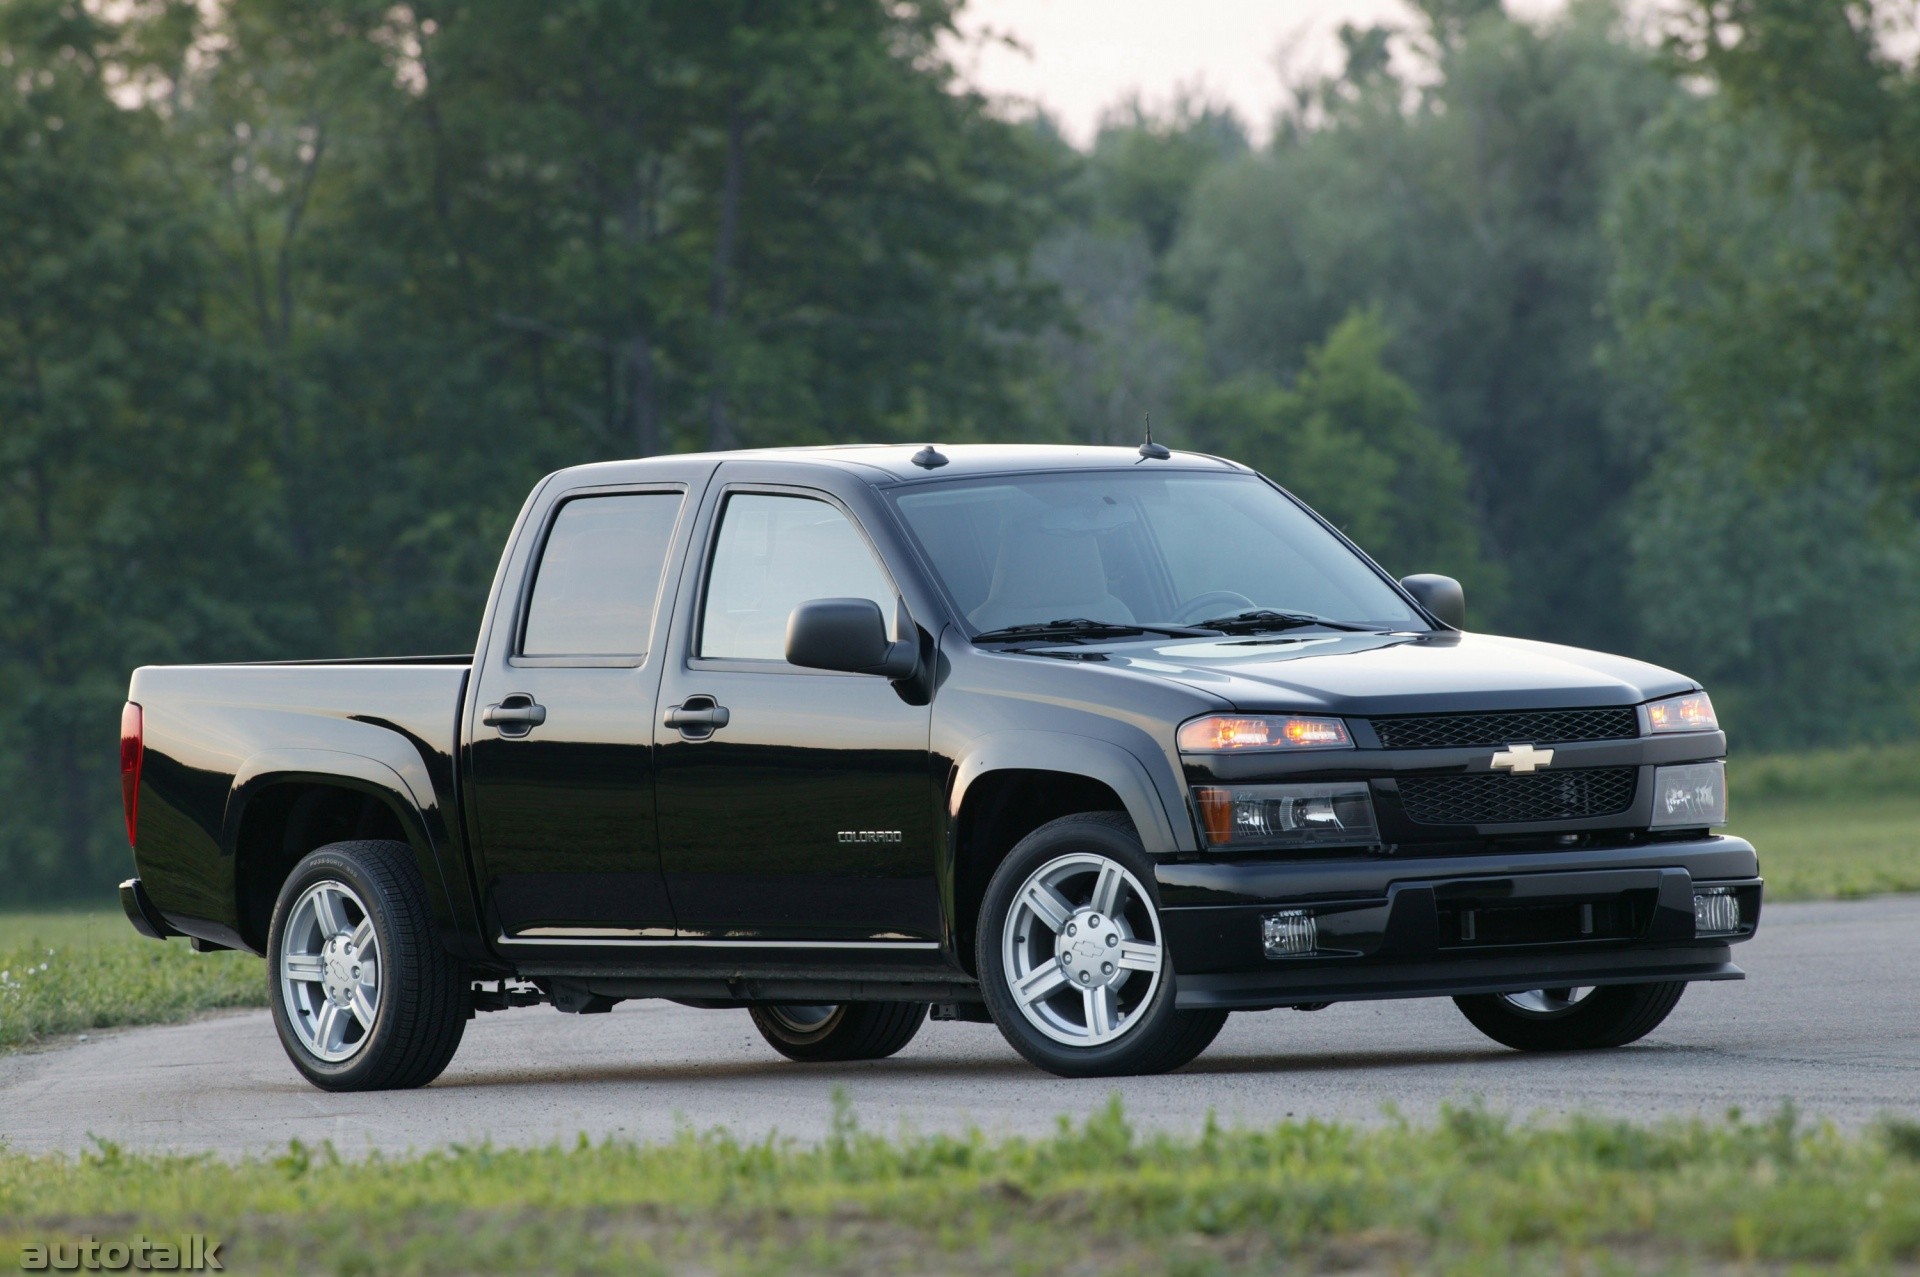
[849, 635]
[1440, 595]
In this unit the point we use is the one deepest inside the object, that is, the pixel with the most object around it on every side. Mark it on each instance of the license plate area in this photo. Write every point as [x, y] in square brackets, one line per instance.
[1475, 925]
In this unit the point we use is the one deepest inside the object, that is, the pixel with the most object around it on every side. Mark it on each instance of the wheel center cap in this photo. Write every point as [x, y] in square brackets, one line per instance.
[1088, 949]
[340, 960]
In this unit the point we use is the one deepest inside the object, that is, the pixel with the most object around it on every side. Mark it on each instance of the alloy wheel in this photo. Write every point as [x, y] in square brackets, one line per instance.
[1547, 1002]
[330, 971]
[1083, 950]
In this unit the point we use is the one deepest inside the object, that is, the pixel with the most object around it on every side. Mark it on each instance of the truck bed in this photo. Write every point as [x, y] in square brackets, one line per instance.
[230, 750]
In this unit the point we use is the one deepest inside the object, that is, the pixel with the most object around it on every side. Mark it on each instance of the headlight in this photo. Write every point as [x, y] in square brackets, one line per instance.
[1246, 817]
[1231, 733]
[1690, 713]
[1690, 796]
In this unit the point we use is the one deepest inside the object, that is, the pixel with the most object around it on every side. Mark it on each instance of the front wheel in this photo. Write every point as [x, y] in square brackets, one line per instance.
[365, 998]
[1572, 1019]
[1073, 961]
[817, 1033]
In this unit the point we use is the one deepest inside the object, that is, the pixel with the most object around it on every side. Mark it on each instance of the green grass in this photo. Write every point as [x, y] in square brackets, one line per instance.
[68, 972]
[1831, 823]
[1472, 1193]
[1828, 824]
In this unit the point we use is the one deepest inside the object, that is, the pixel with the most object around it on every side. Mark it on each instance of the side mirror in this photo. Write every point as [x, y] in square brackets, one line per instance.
[1440, 595]
[849, 635]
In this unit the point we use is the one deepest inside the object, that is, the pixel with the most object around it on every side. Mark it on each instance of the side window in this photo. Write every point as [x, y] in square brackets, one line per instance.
[599, 576]
[773, 554]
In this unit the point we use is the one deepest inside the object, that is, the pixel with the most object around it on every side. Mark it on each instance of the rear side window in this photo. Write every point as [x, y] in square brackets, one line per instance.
[773, 554]
[599, 576]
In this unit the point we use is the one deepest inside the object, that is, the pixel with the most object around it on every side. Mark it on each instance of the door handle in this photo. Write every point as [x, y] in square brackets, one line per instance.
[515, 716]
[697, 717]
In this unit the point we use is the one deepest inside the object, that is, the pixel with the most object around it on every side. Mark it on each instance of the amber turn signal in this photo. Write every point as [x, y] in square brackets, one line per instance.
[1222, 733]
[1690, 713]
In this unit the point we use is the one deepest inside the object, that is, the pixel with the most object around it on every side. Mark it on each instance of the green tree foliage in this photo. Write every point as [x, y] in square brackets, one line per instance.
[1467, 209]
[1348, 438]
[297, 298]
[1832, 90]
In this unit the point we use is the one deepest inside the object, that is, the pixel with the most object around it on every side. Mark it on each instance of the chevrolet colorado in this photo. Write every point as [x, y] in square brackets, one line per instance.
[1094, 744]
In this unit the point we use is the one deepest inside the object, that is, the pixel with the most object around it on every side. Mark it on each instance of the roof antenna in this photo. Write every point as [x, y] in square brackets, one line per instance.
[929, 458]
[1151, 451]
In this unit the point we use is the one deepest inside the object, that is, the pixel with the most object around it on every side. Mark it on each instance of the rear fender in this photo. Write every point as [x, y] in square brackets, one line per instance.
[411, 799]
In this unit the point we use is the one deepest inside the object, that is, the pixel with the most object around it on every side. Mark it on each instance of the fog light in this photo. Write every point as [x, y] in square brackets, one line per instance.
[1291, 933]
[1716, 912]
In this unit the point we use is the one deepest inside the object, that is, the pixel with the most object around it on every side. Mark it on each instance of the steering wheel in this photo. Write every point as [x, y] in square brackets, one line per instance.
[1212, 603]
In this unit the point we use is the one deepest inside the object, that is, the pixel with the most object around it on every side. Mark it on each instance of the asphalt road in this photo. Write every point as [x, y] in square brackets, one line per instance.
[1829, 1018]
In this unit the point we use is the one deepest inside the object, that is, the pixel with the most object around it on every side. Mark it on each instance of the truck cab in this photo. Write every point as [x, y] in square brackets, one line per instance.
[1098, 745]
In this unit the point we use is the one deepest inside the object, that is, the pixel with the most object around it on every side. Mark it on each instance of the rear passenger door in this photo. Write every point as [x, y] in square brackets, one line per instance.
[561, 737]
[795, 805]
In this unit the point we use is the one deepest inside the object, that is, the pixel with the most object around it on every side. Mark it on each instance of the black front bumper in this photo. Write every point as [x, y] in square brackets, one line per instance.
[1400, 927]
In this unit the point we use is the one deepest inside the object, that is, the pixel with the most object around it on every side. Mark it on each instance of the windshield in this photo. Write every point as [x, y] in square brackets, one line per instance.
[1126, 547]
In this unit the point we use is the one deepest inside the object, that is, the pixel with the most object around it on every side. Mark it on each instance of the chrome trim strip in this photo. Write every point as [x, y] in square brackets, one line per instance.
[697, 942]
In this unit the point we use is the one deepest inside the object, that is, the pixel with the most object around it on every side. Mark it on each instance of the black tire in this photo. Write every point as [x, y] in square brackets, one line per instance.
[1613, 1015]
[424, 995]
[833, 1034]
[1157, 1037]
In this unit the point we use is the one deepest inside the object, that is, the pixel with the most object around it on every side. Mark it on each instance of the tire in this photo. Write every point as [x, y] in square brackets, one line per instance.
[400, 1030]
[1116, 962]
[832, 1033]
[1550, 1020]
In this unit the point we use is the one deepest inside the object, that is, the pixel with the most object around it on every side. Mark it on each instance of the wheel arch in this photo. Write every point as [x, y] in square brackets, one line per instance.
[1011, 784]
[285, 803]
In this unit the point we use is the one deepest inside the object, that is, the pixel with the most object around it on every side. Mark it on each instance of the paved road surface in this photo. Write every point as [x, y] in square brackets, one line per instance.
[1830, 1018]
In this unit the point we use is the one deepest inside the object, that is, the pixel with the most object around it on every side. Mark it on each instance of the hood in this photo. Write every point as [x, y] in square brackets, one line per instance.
[1397, 673]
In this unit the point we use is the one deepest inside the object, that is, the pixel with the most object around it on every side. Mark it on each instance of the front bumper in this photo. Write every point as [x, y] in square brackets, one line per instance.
[1398, 927]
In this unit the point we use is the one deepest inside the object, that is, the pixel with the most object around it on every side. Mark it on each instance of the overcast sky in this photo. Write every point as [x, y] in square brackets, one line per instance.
[1084, 55]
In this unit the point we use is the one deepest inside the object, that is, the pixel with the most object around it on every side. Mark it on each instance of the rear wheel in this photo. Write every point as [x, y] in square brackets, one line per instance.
[832, 1032]
[1073, 961]
[364, 996]
[1572, 1019]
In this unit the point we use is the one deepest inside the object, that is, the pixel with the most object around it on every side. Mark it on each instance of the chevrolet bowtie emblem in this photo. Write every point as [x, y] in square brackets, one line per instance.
[1523, 758]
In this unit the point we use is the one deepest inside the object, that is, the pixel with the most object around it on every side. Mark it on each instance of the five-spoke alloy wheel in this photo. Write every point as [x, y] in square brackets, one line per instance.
[1073, 961]
[1580, 1019]
[330, 970]
[365, 996]
[1082, 949]
[826, 1032]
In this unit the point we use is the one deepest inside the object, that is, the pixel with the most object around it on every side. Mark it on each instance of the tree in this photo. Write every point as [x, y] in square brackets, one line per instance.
[1467, 210]
[1348, 438]
[1836, 102]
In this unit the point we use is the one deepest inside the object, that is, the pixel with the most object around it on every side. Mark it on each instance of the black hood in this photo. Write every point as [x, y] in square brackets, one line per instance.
[1397, 673]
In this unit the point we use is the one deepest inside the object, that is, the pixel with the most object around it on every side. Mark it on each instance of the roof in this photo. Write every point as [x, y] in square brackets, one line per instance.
[888, 463]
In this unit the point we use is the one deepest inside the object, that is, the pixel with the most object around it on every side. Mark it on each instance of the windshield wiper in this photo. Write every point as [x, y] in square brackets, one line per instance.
[1079, 627]
[1262, 620]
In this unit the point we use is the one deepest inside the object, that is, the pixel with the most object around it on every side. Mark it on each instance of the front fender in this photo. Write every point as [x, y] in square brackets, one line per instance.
[1110, 764]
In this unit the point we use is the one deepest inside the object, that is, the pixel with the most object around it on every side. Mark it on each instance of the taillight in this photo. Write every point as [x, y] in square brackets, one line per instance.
[133, 751]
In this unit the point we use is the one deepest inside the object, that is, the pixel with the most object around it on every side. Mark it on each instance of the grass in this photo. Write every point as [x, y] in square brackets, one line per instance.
[68, 972]
[1472, 1193]
[1829, 824]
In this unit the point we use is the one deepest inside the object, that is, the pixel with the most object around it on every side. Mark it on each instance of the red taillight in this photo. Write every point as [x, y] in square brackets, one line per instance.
[133, 751]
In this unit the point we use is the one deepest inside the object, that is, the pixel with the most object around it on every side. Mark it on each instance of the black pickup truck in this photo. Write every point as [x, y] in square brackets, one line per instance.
[1092, 744]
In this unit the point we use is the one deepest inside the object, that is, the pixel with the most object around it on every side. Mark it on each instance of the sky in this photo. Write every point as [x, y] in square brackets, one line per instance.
[1085, 55]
